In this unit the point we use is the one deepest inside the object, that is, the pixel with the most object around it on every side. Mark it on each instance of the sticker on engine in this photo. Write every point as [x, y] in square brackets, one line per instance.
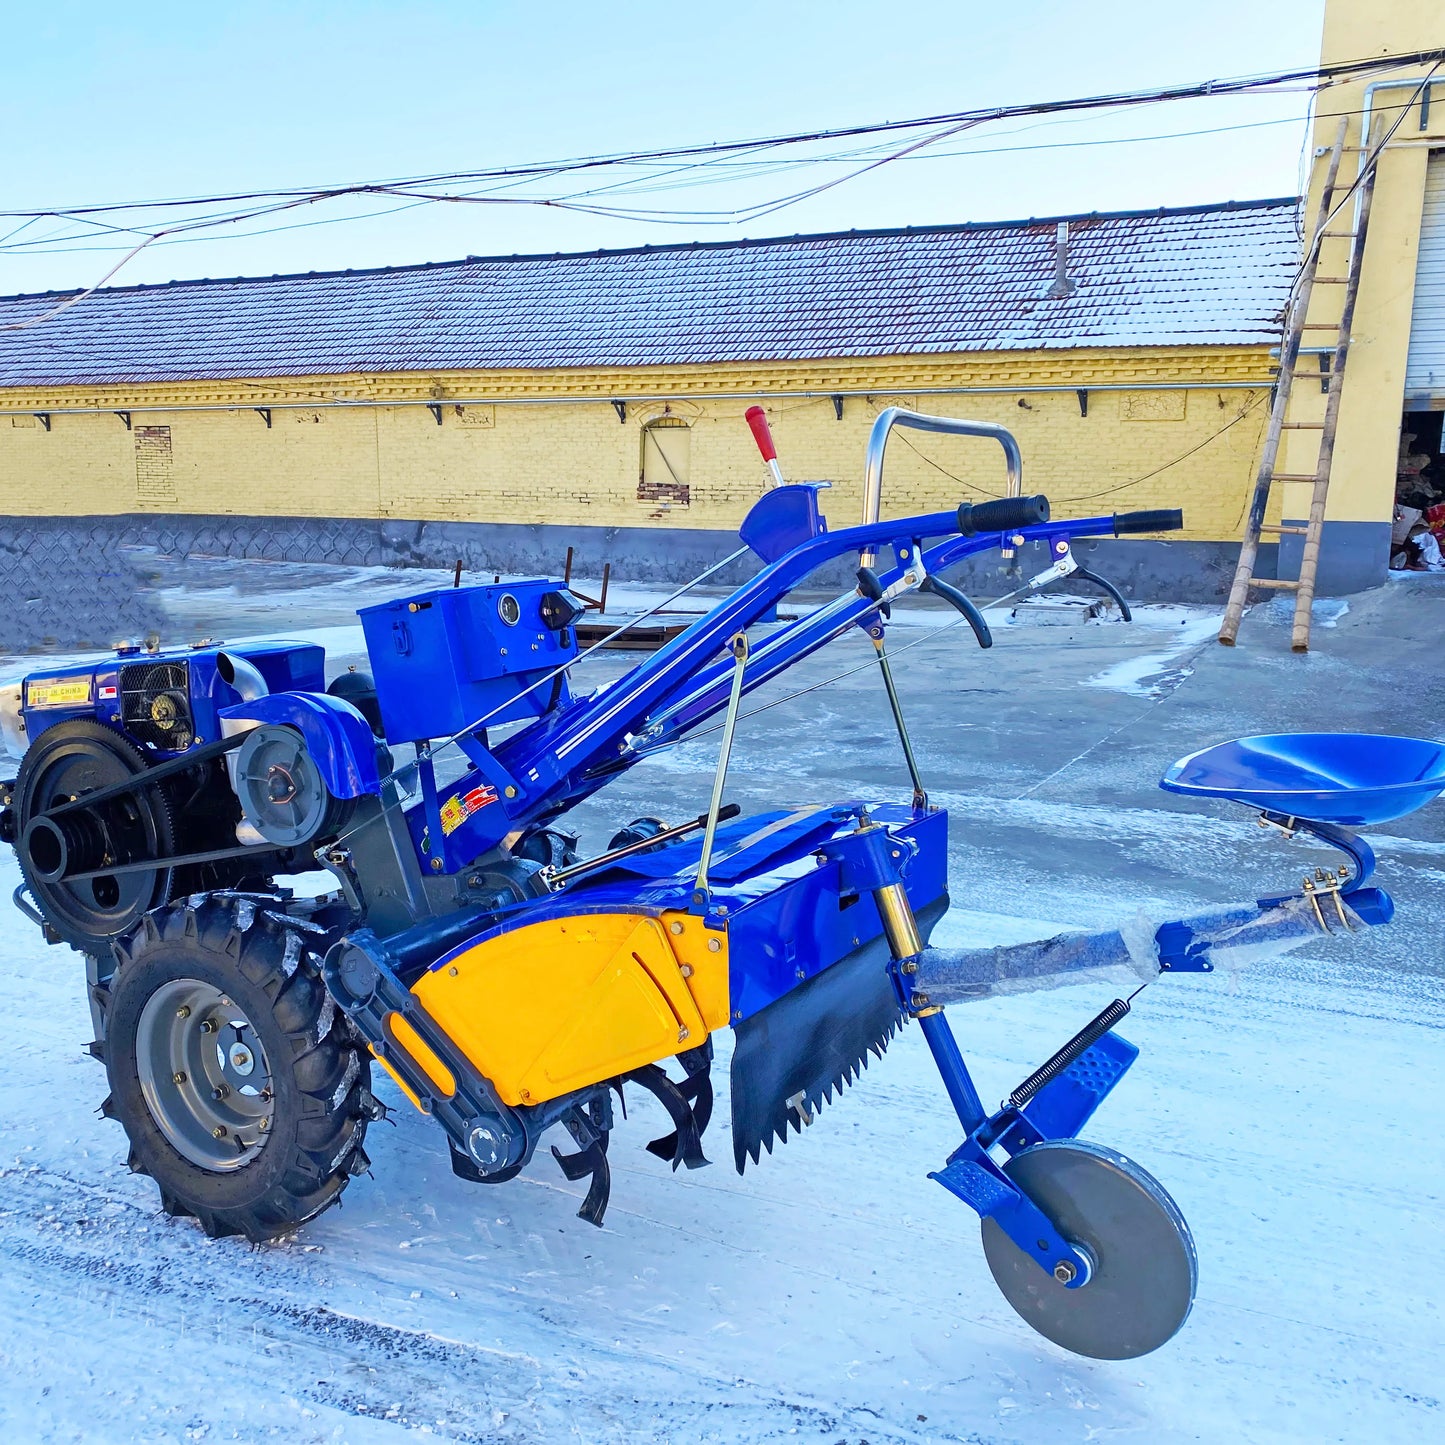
[457, 809]
[57, 691]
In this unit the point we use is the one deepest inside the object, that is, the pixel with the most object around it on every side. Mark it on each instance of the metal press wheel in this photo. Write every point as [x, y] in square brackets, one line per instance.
[1144, 1269]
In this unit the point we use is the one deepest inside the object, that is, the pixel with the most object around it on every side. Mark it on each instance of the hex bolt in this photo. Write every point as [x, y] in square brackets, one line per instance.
[219, 1092]
[1064, 1272]
[218, 1132]
[178, 1077]
[184, 1012]
[208, 1026]
[675, 926]
[713, 945]
[436, 865]
[264, 1125]
[682, 1035]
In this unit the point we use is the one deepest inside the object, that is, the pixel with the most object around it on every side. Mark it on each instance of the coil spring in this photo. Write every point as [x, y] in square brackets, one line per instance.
[1050, 1069]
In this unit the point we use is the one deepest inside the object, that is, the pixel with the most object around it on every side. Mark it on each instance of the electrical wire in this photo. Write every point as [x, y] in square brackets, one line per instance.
[260, 203]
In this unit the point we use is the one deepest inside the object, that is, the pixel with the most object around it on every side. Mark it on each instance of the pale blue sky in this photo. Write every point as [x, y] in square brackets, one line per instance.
[108, 102]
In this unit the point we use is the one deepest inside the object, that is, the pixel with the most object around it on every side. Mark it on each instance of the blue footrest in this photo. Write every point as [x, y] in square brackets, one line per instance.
[1065, 1104]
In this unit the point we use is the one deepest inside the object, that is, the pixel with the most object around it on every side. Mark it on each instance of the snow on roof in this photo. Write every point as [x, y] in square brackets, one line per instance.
[1205, 275]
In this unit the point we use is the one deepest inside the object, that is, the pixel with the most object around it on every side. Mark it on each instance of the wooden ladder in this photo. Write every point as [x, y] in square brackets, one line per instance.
[1303, 586]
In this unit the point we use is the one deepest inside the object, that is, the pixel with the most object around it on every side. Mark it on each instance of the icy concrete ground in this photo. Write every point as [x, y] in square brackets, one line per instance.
[834, 1294]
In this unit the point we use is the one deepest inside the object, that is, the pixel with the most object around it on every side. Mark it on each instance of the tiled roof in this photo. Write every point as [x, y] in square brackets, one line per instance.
[1215, 275]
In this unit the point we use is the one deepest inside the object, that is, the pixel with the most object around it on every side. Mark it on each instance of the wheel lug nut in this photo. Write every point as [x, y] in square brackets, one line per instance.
[264, 1125]
[220, 1092]
[218, 1132]
[208, 1026]
[178, 1078]
[184, 1012]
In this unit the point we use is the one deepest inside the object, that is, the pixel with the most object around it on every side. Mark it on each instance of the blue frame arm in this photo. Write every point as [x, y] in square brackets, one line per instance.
[553, 759]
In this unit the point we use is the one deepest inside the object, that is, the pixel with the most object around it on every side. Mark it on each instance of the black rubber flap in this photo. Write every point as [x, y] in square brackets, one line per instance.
[790, 1057]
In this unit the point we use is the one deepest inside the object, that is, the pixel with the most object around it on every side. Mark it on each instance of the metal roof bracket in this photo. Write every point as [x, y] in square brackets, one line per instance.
[264, 412]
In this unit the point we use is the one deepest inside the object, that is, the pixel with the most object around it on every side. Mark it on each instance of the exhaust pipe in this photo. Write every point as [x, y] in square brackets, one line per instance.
[241, 675]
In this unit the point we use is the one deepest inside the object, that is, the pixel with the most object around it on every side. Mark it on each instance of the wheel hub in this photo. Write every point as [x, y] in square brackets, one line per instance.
[204, 1075]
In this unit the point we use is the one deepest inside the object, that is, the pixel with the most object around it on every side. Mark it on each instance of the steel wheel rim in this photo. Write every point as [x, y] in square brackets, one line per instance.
[1145, 1269]
[204, 1075]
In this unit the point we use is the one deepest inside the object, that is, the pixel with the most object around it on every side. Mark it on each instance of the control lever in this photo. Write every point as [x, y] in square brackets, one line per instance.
[1084, 575]
[955, 598]
[871, 587]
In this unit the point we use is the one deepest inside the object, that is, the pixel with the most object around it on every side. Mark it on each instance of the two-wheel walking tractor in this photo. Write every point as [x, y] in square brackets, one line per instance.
[509, 986]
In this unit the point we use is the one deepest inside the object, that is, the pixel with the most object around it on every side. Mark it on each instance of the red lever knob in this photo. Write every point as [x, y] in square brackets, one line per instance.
[758, 422]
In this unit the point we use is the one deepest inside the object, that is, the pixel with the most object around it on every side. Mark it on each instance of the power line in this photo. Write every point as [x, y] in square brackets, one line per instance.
[254, 205]
[1239, 85]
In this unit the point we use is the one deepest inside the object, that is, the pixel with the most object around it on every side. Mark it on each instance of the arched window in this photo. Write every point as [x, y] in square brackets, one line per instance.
[666, 467]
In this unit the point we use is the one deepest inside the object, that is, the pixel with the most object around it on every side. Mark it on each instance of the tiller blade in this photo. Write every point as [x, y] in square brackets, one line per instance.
[791, 1055]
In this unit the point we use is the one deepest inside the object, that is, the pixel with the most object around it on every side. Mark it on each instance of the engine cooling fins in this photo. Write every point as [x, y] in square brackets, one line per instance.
[791, 1056]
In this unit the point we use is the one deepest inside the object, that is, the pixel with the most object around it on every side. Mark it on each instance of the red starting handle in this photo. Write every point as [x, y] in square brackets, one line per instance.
[757, 420]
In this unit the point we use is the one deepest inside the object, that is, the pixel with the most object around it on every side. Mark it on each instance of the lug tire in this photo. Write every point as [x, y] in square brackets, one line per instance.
[319, 1073]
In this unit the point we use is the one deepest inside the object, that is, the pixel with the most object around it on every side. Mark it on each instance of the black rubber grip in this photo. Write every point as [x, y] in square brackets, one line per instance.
[1167, 519]
[1007, 514]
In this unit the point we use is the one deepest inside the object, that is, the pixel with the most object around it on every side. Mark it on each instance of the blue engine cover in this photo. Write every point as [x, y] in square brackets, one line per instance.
[165, 702]
[444, 660]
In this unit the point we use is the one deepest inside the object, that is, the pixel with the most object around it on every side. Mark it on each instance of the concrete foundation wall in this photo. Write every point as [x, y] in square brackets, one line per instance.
[52, 555]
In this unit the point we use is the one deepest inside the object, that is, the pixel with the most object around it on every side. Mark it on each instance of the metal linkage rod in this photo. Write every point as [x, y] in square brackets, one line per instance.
[920, 794]
[739, 648]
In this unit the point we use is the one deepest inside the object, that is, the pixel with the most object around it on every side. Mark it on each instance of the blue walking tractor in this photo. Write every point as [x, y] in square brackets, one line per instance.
[511, 987]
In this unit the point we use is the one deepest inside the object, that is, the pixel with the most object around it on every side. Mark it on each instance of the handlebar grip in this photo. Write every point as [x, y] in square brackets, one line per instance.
[757, 420]
[1007, 514]
[1166, 519]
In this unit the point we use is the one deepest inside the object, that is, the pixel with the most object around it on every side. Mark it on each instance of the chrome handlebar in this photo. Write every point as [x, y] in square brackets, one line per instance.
[893, 416]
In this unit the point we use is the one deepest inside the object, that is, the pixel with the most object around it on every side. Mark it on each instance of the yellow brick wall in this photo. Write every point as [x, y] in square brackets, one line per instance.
[548, 447]
[1362, 477]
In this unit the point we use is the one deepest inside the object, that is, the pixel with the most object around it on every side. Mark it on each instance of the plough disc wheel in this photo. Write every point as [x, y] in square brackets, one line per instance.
[1144, 1266]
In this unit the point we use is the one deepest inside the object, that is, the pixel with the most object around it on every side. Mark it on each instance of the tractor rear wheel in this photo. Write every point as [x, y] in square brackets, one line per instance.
[240, 1085]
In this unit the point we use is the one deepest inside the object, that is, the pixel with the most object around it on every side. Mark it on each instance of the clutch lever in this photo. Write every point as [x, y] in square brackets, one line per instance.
[955, 598]
[1084, 575]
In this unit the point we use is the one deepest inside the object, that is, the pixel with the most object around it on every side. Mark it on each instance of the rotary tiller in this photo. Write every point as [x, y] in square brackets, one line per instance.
[509, 986]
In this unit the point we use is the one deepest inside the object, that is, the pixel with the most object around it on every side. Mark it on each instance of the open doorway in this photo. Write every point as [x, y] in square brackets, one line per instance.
[1417, 541]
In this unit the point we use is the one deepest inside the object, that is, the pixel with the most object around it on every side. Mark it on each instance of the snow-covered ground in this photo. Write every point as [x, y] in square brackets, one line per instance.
[834, 1294]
